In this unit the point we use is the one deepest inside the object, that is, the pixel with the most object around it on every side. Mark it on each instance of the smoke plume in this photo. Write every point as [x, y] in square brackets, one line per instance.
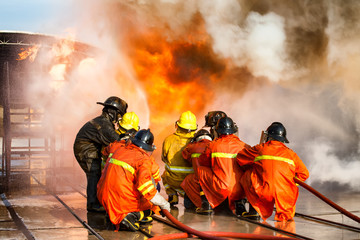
[259, 61]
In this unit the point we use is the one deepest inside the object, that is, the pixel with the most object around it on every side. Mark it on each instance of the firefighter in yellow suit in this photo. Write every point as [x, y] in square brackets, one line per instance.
[176, 168]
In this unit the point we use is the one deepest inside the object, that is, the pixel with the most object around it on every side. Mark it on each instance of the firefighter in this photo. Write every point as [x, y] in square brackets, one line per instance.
[176, 168]
[126, 127]
[269, 179]
[127, 186]
[218, 171]
[192, 153]
[211, 119]
[89, 141]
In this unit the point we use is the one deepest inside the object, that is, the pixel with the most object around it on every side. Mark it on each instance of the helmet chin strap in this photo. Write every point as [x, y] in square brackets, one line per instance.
[113, 114]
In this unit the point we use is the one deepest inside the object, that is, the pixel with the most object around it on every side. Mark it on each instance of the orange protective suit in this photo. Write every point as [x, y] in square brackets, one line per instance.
[270, 178]
[126, 183]
[220, 180]
[191, 184]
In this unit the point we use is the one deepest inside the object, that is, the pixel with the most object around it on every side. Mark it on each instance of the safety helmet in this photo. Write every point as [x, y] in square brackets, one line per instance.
[129, 120]
[187, 121]
[117, 103]
[277, 131]
[225, 126]
[202, 134]
[213, 117]
[144, 139]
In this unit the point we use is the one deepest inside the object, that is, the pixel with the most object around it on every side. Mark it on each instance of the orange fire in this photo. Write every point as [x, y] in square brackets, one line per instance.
[30, 52]
[60, 54]
[177, 75]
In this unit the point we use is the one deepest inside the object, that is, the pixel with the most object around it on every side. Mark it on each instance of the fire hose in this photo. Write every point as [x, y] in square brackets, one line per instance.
[328, 201]
[208, 234]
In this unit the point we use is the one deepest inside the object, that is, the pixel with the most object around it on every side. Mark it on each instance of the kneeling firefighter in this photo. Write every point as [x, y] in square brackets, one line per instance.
[269, 178]
[126, 127]
[176, 168]
[127, 187]
[89, 141]
[218, 173]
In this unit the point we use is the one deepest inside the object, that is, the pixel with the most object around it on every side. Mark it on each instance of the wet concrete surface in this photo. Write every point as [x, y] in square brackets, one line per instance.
[41, 208]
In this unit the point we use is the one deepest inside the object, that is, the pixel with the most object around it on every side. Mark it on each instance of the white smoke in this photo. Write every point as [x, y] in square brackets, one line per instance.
[301, 60]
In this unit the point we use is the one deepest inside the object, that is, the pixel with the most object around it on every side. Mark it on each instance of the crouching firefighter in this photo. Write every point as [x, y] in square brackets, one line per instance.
[176, 167]
[192, 153]
[126, 188]
[269, 178]
[91, 138]
[218, 172]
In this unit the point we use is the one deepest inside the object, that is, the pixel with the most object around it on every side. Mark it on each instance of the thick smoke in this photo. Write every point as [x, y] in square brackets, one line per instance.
[289, 61]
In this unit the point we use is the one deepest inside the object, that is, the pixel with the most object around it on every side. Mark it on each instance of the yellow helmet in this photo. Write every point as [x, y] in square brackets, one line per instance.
[129, 120]
[187, 120]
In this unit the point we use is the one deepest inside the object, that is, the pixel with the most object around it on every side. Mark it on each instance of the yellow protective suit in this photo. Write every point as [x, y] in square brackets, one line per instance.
[176, 168]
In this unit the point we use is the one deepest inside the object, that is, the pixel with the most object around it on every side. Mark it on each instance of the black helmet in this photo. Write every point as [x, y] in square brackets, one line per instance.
[116, 103]
[201, 132]
[277, 131]
[225, 126]
[144, 139]
[213, 117]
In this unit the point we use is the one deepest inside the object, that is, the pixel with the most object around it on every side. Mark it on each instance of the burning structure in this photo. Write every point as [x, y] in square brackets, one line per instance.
[29, 140]
[258, 61]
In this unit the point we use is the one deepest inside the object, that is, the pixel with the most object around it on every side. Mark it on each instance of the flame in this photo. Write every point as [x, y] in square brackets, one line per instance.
[30, 52]
[177, 75]
[61, 56]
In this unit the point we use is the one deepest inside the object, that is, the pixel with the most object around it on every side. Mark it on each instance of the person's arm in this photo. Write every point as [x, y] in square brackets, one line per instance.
[164, 151]
[247, 155]
[205, 157]
[186, 153]
[107, 134]
[301, 172]
[155, 170]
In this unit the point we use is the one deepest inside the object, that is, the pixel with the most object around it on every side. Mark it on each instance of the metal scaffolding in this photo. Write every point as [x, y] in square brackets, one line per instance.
[28, 144]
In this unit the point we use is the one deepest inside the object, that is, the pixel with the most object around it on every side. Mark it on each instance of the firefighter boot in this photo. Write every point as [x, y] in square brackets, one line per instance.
[130, 222]
[173, 199]
[188, 204]
[240, 207]
[252, 214]
[206, 208]
[146, 217]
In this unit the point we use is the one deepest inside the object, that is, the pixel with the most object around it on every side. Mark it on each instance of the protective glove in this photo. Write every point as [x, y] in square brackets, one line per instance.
[158, 200]
[158, 187]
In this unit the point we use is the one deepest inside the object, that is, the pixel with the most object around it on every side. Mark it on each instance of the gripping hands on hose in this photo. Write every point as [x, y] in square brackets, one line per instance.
[160, 201]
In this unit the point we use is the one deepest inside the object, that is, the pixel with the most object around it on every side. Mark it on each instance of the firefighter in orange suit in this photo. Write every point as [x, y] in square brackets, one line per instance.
[192, 153]
[176, 168]
[218, 171]
[126, 127]
[126, 188]
[270, 178]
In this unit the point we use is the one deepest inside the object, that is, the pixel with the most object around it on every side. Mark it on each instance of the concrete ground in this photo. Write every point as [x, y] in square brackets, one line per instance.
[50, 205]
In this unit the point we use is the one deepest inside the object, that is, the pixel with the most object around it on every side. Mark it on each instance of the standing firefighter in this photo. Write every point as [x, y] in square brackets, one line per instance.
[89, 141]
[126, 188]
[270, 178]
[192, 153]
[218, 171]
[176, 168]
